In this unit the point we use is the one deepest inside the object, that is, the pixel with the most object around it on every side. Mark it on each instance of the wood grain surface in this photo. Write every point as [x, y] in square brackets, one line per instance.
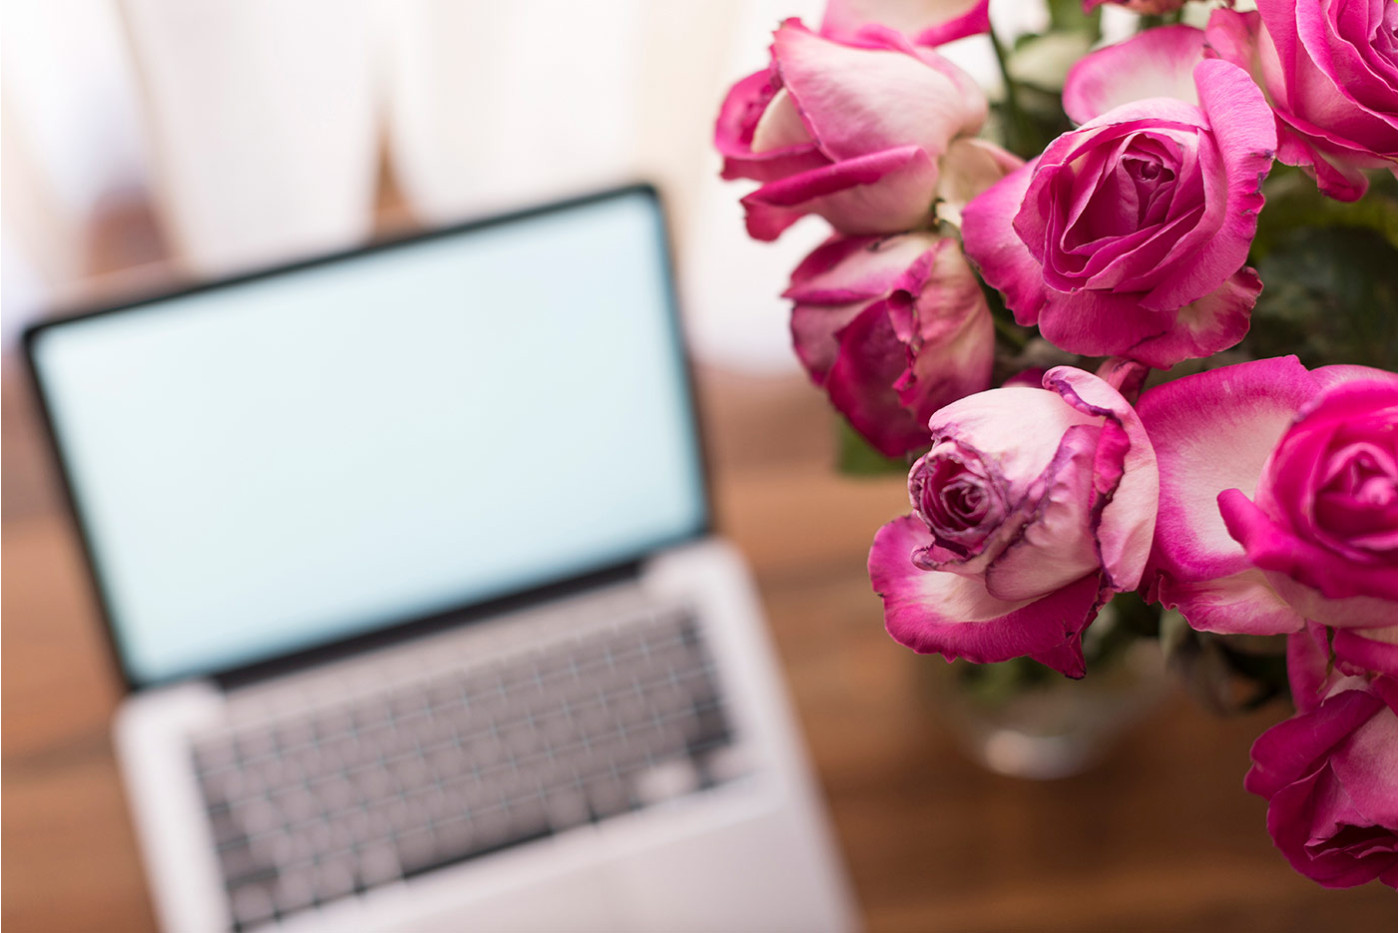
[1159, 837]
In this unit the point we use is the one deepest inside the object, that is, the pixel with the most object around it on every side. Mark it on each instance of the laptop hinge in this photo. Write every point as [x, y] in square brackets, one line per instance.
[249, 674]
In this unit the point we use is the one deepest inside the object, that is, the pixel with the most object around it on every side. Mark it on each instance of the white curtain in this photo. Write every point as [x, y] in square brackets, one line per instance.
[257, 128]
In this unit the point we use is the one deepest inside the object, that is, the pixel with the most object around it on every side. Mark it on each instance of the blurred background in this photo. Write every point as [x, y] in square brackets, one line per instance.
[150, 142]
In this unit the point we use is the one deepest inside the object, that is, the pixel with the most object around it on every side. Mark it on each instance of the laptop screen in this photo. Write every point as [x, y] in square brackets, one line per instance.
[292, 459]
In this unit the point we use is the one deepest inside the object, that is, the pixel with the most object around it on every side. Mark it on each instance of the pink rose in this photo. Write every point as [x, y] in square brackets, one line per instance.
[1278, 497]
[1329, 772]
[854, 133]
[1328, 68]
[927, 22]
[1032, 507]
[1129, 235]
[893, 329]
[1322, 522]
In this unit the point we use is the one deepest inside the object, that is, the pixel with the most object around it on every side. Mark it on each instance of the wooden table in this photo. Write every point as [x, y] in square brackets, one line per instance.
[1160, 837]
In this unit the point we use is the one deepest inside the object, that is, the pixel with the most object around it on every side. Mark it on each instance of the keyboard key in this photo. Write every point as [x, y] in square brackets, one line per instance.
[333, 879]
[416, 850]
[377, 865]
[251, 904]
[294, 891]
[666, 781]
[608, 797]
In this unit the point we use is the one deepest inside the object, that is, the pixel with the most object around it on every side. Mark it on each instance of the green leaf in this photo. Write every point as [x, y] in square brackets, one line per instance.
[855, 456]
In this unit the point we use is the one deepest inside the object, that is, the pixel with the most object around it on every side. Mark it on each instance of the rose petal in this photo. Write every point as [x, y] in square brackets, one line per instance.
[780, 127]
[1214, 431]
[836, 281]
[1272, 547]
[1240, 604]
[1205, 326]
[1125, 475]
[1329, 376]
[814, 335]
[1290, 748]
[1365, 612]
[970, 167]
[1017, 431]
[886, 192]
[1311, 674]
[939, 311]
[927, 22]
[1364, 765]
[1368, 649]
[845, 269]
[1288, 824]
[1153, 63]
[861, 381]
[1056, 548]
[856, 101]
[1246, 141]
[734, 131]
[953, 615]
[998, 253]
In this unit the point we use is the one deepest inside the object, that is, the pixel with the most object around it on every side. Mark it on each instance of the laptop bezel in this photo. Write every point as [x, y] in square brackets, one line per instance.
[412, 626]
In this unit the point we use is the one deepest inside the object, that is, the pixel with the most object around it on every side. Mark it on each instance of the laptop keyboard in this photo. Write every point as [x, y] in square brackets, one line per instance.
[468, 761]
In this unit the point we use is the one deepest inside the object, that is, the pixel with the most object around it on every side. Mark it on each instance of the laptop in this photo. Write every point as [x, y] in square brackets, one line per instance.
[406, 561]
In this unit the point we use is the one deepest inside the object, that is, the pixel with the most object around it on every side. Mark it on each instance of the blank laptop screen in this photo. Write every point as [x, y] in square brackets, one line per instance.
[294, 459]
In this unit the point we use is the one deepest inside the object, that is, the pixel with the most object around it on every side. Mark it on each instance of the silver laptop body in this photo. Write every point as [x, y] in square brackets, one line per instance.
[405, 559]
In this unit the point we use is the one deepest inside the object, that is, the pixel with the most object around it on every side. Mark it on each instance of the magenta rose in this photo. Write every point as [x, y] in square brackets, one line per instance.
[1278, 497]
[1129, 235]
[851, 132]
[1329, 70]
[1329, 772]
[1322, 520]
[1032, 507]
[893, 329]
[927, 22]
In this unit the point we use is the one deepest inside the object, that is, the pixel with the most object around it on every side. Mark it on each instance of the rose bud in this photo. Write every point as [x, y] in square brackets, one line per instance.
[1129, 235]
[1316, 450]
[926, 22]
[852, 133]
[1329, 69]
[893, 329]
[1033, 506]
[1329, 772]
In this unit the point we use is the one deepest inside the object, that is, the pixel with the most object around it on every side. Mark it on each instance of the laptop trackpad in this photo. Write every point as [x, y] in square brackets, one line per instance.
[759, 874]
[586, 900]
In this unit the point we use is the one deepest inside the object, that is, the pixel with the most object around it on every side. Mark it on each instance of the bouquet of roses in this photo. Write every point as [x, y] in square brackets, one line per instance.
[1170, 216]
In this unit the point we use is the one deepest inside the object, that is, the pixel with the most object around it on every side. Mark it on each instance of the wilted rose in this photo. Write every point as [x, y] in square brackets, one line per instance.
[893, 329]
[1031, 508]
